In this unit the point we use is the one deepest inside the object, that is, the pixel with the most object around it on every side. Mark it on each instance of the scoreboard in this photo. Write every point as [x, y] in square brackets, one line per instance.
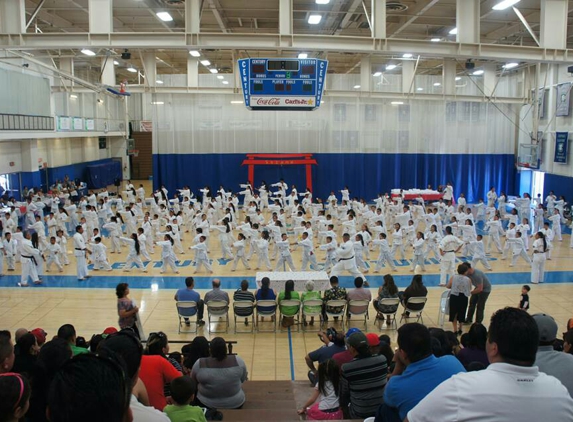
[282, 84]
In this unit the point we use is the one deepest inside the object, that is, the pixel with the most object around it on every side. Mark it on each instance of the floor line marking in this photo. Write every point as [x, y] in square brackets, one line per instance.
[291, 355]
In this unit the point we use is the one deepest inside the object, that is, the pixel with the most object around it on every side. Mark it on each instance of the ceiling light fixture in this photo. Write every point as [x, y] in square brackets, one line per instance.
[356, 86]
[236, 102]
[478, 72]
[510, 65]
[164, 16]
[157, 102]
[391, 66]
[314, 19]
[502, 5]
[436, 39]
[100, 101]
[419, 89]
[73, 96]
[132, 69]
[116, 63]
[213, 71]
[453, 31]
[195, 53]
[377, 74]
[205, 62]
[322, 1]
[437, 84]
[458, 78]
[88, 52]
[225, 82]
[220, 77]
[397, 103]
[159, 82]
[407, 55]
[302, 55]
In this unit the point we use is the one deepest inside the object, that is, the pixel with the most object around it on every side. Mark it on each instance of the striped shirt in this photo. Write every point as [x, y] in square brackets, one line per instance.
[243, 295]
[362, 385]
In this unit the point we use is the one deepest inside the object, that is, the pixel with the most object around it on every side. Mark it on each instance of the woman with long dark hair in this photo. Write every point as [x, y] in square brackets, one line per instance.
[475, 350]
[388, 290]
[290, 311]
[126, 309]
[133, 258]
[415, 289]
[265, 293]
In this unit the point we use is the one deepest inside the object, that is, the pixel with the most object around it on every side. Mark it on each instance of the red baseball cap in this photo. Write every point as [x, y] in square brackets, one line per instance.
[40, 335]
[373, 339]
[110, 330]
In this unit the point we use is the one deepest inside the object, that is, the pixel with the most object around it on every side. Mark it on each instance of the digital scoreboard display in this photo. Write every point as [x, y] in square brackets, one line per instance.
[282, 84]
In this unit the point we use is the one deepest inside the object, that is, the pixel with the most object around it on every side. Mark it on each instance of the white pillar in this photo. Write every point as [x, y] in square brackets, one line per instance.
[449, 77]
[192, 72]
[553, 21]
[408, 67]
[101, 16]
[378, 20]
[150, 66]
[489, 79]
[108, 71]
[365, 74]
[67, 65]
[467, 21]
[285, 17]
[12, 16]
[192, 16]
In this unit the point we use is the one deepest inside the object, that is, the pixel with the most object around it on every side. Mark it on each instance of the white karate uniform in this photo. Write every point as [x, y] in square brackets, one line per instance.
[80, 254]
[99, 251]
[556, 226]
[115, 232]
[419, 257]
[518, 250]
[346, 261]
[201, 257]
[494, 229]
[308, 255]
[285, 258]
[478, 254]
[29, 269]
[53, 253]
[262, 248]
[449, 244]
[239, 245]
[385, 255]
[10, 251]
[397, 243]
[538, 264]
[167, 256]
[132, 257]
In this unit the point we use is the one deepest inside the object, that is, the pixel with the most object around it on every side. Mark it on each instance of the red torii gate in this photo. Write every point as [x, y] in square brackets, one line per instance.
[253, 160]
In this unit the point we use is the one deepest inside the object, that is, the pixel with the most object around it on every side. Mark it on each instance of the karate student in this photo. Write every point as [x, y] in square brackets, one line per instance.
[419, 257]
[40, 229]
[538, 265]
[99, 251]
[359, 246]
[491, 197]
[9, 251]
[53, 252]
[385, 254]
[239, 245]
[518, 250]
[478, 252]
[29, 258]
[397, 241]
[134, 255]
[2, 253]
[433, 239]
[80, 251]
[308, 255]
[548, 233]
[509, 235]
[52, 223]
[225, 234]
[524, 228]
[143, 244]
[202, 257]
[538, 218]
[346, 259]
[494, 229]
[556, 224]
[285, 257]
[115, 232]
[262, 250]
[550, 201]
[449, 246]
[330, 248]
[501, 204]
[63, 242]
[167, 255]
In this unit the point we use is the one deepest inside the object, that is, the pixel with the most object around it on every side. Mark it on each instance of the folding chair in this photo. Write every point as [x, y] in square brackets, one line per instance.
[271, 312]
[333, 305]
[244, 305]
[217, 308]
[312, 304]
[289, 303]
[389, 302]
[185, 310]
[414, 313]
[444, 307]
[362, 303]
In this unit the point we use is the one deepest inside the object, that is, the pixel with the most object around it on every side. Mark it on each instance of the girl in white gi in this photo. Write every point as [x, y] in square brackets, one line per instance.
[264, 195]
[133, 257]
[548, 233]
[518, 249]
[345, 194]
[52, 224]
[538, 265]
[409, 233]
[359, 247]
[367, 236]
[478, 252]
[550, 200]
[494, 229]
[433, 241]
[509, 235]
[167, 255]
[128, 217]
[143, 244]
[262, 250]
[538, 218]
[285, 258]
[201, 257]
[480, 211]
[330, 248]
[419, 258]
[560, 205]
[501, 203]
[9, 251]
[40, 230]
[63, 242]
[468, 235]
[52, 253]
[173, 228]
[239, 245]
[397, 241]
[524, 228]
[225, 236]
[114, 230]
[99, 252]
[491, 197]
[385, 254]
[308, 255]
[556, 224]
[30, 256]
[148, 232]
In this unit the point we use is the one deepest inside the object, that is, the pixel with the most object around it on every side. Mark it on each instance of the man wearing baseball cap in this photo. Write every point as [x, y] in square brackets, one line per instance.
[344, 357]
[362, 380]
[550, 361]
[40, 335]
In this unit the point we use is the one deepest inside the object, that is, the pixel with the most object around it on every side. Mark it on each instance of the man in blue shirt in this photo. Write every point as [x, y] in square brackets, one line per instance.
[417, 373]
[190, 295]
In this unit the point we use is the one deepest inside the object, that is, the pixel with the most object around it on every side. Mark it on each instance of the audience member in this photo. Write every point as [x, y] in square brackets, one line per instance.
[288, 311]
[479, 294]
[345, 356]
[440, 345]
[374, 344]
[363, 379]
[19, 333]
[415, 289]
[310, 294]
[244, 295]
[219, 378]
[511, 388]
[190, 295]
[265, 293]
[568, 342]
[217, 294]
[334, 293]
[14, 397]
[358, 293]
[40, 335]
[475, 350]
[416, 373]
[333, 344]
[68, 332]
[326, 392]
[26, 352]
[197, 349]
[460, 292]
[387, 291]
[89, 388]
[183, 393]
[126, 309]
[557, 364]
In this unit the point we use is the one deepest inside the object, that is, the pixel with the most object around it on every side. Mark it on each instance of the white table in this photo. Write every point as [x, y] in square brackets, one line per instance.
[278, 278]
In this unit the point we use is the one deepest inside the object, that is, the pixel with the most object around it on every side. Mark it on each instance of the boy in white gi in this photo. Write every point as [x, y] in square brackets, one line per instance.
[308, 255]
[478, 252]
[518, 250]
[385, 254]
[99, 251]
[53, 252]
[239, 246]
[285, 258]
[201, 257]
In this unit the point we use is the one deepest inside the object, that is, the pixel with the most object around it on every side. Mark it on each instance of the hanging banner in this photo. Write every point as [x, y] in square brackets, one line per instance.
[541, 103]
[563, 100]
[561, 141]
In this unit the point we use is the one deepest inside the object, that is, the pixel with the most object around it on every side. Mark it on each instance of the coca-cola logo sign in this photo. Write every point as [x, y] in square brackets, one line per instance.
[269, 101]
[283, 101]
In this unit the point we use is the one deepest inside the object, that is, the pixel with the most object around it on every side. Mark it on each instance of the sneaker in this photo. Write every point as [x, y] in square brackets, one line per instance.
[200, 322]
[188, 323]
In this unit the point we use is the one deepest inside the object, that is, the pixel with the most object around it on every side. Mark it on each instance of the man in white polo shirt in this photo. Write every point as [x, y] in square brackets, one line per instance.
[510, 389]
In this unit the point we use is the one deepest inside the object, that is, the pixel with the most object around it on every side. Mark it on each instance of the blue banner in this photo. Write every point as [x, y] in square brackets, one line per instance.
[561, 142]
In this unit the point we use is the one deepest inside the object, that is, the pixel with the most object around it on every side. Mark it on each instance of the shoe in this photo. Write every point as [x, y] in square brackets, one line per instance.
[246, 321]
[23, 284]
[200, 322]
[188, 323]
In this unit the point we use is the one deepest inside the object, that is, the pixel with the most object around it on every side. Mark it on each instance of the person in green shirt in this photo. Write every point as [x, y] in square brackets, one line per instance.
[310, 294]
[68, 332]
[183, 392]
[288, 294]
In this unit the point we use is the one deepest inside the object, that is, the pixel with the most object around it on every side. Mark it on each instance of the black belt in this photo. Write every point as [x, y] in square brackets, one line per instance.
[79, 249]
[345, 259]
[448, 251]
[32, 258]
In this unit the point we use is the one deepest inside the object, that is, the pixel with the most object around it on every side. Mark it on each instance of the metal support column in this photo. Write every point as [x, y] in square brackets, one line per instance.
[468, 21]
[285, 17]
[101, 16]
[378, 21]
[553, 21]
